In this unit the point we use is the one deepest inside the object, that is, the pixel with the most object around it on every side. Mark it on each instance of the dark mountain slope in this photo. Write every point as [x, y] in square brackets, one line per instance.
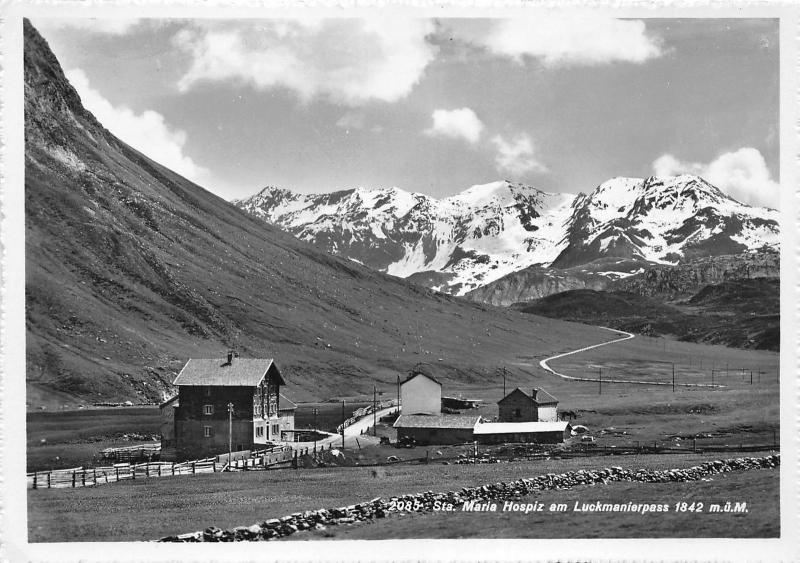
[739, 313]
[131, 269]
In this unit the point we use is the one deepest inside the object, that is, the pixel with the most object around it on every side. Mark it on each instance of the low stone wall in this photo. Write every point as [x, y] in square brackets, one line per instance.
[424, 502]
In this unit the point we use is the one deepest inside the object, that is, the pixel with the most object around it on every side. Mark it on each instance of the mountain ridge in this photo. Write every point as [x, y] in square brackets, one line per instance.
[459, 243]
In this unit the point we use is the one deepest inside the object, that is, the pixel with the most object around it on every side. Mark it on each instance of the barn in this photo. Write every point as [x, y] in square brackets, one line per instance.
[420, 393]
[526, 432]
[436, 429]
[519, 406]
[206, 388]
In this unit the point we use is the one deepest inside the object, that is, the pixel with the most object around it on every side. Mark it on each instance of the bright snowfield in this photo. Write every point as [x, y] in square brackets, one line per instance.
[467, 240]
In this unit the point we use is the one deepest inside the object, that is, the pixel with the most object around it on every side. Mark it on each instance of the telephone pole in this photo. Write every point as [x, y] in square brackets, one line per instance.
[600, 382]
[374, 411]
[343, 419]
[504, 381]
[315, 432]
[673, 377]
[230, 434]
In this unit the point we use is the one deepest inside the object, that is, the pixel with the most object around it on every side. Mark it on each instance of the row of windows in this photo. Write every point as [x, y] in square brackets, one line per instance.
[208, 431]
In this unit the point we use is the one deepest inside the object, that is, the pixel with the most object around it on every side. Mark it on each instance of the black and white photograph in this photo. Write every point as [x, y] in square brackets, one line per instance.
[322, 278]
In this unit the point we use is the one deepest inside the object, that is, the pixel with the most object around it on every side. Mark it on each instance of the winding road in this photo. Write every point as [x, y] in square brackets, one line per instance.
[626, 336]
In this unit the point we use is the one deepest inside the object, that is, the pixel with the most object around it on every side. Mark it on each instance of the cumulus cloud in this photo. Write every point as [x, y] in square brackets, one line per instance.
[344, 60]
[516, 156]
[147, 132]
[106, 26]
[457, 124]
[563, 41]
[742, 174]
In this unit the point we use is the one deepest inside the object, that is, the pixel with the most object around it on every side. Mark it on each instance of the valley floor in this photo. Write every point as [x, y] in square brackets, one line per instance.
[150, 509]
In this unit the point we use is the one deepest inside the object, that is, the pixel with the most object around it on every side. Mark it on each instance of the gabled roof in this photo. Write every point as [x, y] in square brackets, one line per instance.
[241, 372]
[436, 421]
[169, 401]
[413, 375]
[542, 396]
[520, 427]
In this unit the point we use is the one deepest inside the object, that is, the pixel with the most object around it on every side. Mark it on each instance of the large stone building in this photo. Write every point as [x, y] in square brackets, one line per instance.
[518, 406]
[206, 389]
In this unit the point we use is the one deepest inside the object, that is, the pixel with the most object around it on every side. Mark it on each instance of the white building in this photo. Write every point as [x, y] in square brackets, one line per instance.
[421, 394]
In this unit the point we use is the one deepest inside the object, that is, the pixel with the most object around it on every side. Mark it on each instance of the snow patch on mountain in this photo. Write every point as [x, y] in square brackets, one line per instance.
[492, 230]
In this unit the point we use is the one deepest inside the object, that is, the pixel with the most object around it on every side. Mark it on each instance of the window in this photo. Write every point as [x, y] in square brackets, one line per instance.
[517, 413]
[275, 429]
[208, 432]
[259, 431]
[208, 409]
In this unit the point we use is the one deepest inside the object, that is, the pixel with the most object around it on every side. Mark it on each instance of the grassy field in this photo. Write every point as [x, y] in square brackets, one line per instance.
[149, 509]
[759, 489]
[75, 438]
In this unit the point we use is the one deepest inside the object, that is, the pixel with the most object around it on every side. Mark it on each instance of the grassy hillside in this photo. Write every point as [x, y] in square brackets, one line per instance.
[132, 269]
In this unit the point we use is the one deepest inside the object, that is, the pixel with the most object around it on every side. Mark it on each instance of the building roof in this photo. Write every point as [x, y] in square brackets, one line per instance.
[168, 401]
[520, 427]
[436, 421]
[241, 372]
[539, 396]
[422, 368]
[286, 404]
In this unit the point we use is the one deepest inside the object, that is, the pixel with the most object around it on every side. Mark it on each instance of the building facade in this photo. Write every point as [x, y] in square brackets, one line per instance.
[219, 400]
[518, 406]
[524, 432]
[421, 394]
[436, 429]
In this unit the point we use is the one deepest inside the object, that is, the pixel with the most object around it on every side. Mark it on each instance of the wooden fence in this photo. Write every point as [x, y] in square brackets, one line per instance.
[92, 476]
[131, 454]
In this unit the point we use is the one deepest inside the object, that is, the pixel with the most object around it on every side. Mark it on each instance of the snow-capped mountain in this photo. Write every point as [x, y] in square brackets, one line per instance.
[458, 243]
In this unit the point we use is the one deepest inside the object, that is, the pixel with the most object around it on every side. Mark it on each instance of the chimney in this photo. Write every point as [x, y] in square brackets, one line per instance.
[533, 393]
[230, 358]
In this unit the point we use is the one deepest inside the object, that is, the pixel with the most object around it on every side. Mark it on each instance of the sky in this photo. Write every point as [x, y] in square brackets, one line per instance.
[435, 105]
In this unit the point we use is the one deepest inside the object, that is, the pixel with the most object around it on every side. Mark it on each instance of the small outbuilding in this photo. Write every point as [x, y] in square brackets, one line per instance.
[526, 432]
[519, 406]
[436, 429]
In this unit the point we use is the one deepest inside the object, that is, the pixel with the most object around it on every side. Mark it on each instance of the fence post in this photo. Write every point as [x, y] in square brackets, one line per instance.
[193, 469]
[94, 475]
[34, 479]
[116, 469]
[83, 478]
[147, 470]
[73, 479]
[48, 479]
[173, 468]
[133, 471]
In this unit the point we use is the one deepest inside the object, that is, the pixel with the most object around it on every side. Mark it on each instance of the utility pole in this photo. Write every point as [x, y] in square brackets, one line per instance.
[315, 432]
[600, 381]
[673, 377]
[398, 394]
[230, 434]
[343, 419]
[374, 411]
[504, 381]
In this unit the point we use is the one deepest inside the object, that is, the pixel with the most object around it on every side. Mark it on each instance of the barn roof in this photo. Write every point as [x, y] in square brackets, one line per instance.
[520, 427]
[436, 421]
[240, 372]
[539, 396]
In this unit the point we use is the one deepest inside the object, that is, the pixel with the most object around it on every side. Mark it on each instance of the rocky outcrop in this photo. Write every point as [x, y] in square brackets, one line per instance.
[534, 283]
[424, 502]
[687, 279]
